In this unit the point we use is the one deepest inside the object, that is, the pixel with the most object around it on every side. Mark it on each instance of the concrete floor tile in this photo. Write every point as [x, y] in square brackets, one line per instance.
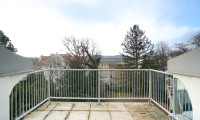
[57, 115]
[64, 106]
[37, 115]
[116, 106]
[136, 106]
[44, 106]
[99, 115]
[51, 105]
[78, 115]
[96, 106]
[141, 115]
[81, 106]
[121, 116]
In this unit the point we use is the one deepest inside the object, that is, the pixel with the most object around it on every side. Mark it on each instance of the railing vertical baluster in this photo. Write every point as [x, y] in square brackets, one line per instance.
[20, 98]
[129, 83]
[16, 101]
[119, 84]
[134, 83]
[139, 84]
[189, 106]
[99, 86]
[174, 97]
[83, 79]
[68, 76]
[150, 88]
[88, 84]
[162, 91]
[11, 109]
[34, 79]
[123, 81]
[73, 82]
[161, 80]
[23, 95]
[156, 81]
[79, 86]
[144, 84]
[48, 85]
[168, 92]
[112, 83]
[30, 93]
[165, 92]
[36, 89]
[93, 77]
[26, 92]
[41, 87]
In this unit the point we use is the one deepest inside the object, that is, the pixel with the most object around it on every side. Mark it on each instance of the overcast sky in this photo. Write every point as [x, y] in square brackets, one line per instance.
[37, 27]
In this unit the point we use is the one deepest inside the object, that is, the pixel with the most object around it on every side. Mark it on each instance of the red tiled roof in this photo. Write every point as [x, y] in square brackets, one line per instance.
[46, 58]
[42, 60]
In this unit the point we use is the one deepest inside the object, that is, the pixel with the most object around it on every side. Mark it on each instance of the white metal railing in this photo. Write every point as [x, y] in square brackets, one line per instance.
[159, 88]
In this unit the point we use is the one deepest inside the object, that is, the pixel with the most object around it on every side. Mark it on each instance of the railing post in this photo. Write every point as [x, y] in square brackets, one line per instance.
[150, 87]
[99, 87]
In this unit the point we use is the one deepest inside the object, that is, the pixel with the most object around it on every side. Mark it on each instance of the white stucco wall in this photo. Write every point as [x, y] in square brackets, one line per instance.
[6, 85]
[187, 64]
[192, 85]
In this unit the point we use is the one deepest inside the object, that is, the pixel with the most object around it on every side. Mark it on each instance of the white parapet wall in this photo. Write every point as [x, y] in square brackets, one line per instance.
[7, 83]
[186, 64]
[186, 68]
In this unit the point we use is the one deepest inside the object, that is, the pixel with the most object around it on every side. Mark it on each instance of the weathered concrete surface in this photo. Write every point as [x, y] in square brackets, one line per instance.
[57, 115]
[81, 106]
[101, 107]
[121, 116]
[78, 115]
[94, 111]
[116, 106]
[64, 106]
[99, 115]
[37, 115]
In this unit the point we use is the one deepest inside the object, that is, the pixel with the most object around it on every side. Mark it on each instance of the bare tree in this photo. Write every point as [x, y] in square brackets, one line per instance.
[83, 53]
[179, 48]
[182, 47]
[162, 55]
[195, 40]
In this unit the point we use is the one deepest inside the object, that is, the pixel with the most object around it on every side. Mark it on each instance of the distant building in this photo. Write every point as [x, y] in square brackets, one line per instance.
[54, 61]
[111, 62]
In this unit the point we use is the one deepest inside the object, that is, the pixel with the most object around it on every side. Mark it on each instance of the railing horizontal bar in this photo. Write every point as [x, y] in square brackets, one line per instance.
[98, 69]
[38, 71]
[159, 71]
[98, 98]
[75, 98]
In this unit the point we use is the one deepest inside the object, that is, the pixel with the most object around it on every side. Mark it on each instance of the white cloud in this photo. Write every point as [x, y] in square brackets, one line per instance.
[36, 30]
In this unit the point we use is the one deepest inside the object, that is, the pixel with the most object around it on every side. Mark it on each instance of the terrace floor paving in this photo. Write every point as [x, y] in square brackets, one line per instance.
[94, 111]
